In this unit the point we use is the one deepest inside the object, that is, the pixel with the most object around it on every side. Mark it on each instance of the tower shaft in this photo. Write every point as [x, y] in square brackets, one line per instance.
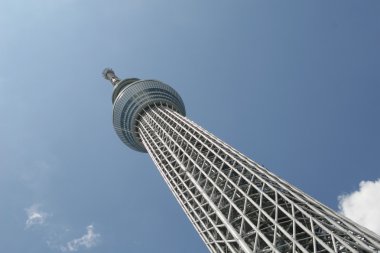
[235, 204]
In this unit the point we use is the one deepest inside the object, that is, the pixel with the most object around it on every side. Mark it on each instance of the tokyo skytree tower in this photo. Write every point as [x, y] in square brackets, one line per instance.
[235, 204]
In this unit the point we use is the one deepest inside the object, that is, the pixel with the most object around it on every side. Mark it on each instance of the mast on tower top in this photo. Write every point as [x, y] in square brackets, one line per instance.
[110, 75]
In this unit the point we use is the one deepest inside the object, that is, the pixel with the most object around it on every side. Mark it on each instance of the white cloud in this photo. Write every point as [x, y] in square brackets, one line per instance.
[56, 234]
[89, 240]
[35, 216]
[363, 206]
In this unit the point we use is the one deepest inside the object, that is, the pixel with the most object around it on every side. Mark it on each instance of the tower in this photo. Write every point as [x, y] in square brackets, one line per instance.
[235, 204]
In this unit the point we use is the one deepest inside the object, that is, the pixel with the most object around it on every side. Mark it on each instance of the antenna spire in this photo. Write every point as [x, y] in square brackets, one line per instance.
[109, 74]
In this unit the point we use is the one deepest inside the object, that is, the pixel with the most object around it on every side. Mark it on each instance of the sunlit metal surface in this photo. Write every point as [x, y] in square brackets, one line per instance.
[235, 204]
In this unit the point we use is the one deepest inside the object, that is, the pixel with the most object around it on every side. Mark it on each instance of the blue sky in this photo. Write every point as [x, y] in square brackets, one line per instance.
[295, 85]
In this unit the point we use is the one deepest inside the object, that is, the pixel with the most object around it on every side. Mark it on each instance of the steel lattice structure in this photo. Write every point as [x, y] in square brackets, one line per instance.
[235, 204]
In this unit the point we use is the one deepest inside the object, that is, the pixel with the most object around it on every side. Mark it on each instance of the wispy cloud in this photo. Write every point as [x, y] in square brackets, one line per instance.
[88, 240]
[35, 216]
[363, 205]
[56, 234]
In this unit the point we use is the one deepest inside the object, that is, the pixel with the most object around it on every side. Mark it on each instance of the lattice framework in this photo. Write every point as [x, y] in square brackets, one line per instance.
[235, 204]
